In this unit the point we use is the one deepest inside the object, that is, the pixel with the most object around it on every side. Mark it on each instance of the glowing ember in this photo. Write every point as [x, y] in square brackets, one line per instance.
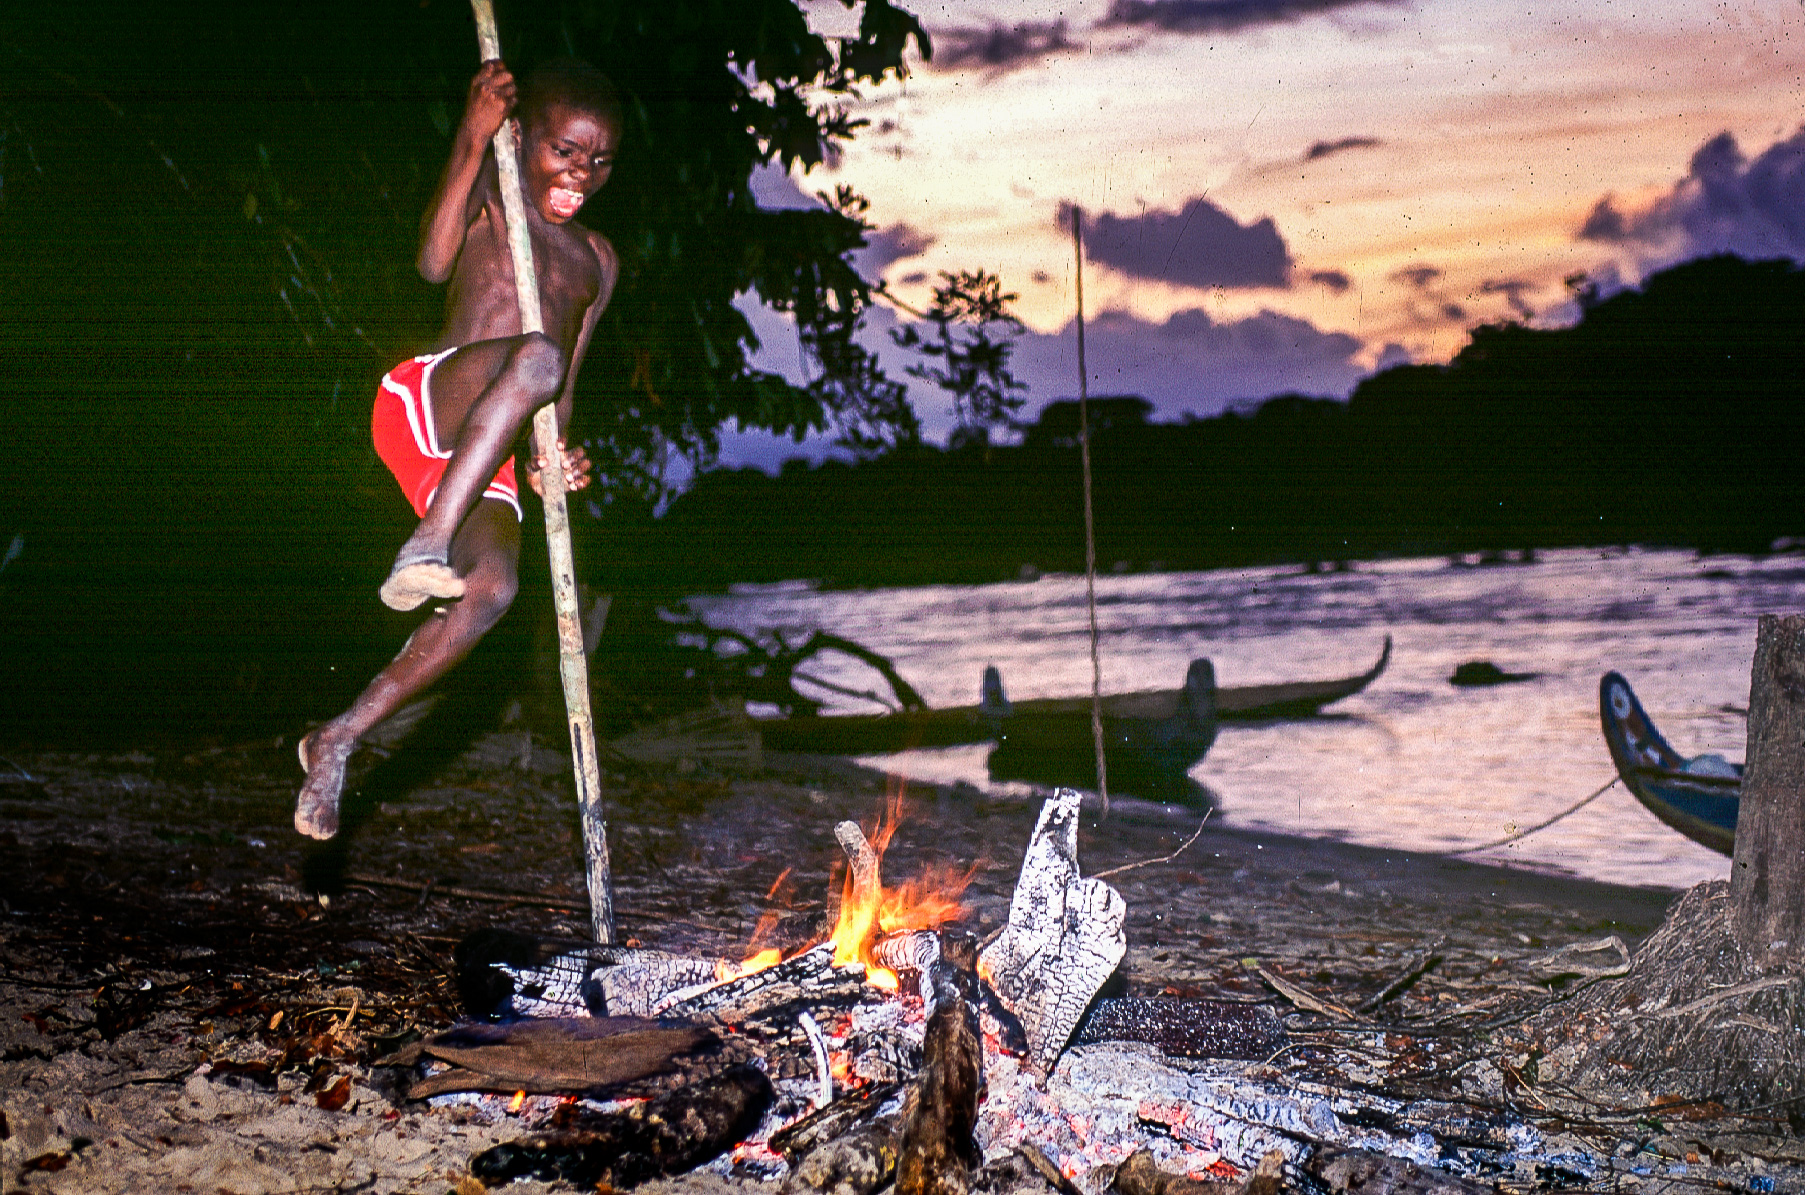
[519, 1099]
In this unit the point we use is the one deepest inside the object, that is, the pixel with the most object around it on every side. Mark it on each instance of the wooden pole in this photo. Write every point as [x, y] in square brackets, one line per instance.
[1090, 528]
[1767, 872]
[573, 665]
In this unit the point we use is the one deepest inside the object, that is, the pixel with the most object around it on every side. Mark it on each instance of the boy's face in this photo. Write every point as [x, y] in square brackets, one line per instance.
[568, 154]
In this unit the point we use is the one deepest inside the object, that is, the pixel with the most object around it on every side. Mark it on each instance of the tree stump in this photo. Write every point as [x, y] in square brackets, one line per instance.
[1712, 1010]
[1767, 877]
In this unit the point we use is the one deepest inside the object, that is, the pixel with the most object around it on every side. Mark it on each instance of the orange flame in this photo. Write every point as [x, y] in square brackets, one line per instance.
[929, 900]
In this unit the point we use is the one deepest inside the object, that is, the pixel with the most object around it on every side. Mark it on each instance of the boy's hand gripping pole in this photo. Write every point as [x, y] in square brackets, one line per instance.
[572, 663]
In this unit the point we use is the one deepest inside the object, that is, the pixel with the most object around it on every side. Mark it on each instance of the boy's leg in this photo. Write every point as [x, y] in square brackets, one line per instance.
[482, 395]
[485, 552]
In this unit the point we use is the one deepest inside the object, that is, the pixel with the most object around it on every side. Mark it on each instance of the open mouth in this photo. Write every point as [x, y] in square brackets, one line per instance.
[563, 201]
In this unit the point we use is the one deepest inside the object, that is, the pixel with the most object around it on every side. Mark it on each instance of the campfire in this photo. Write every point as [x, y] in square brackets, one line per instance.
[897, 1047]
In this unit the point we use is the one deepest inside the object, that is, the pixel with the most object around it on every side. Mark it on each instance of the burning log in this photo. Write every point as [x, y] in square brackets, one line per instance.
[863, 860]
[1064, 937]
[938, 1148]
[566, 1054]
[809, 976]
[1362, 1172]
[669, 1135]
[1185, 1028]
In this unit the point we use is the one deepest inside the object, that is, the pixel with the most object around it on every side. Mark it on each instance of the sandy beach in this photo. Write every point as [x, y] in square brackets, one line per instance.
[191, 997]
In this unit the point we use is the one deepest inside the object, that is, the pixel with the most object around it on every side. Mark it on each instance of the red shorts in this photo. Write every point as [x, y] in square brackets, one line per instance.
[402, 427]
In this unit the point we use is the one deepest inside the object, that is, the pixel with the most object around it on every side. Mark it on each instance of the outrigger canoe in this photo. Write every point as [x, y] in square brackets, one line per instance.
[878, 734]
[1150, 740]
[1698, 797]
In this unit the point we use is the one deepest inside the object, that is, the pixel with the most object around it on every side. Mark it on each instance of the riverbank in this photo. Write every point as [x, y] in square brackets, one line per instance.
[190, 994]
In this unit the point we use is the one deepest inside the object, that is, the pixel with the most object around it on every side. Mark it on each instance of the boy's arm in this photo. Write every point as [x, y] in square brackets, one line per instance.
[609, 266]
[458, 198]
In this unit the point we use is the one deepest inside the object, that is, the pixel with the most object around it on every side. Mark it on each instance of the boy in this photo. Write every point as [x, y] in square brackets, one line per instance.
[444, 422]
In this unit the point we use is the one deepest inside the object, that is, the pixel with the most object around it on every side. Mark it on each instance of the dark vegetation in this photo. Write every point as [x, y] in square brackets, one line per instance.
[1670, 415]
[207, 228]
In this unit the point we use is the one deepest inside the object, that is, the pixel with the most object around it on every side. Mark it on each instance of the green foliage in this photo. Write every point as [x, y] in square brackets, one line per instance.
[976, 336]
[717, 88]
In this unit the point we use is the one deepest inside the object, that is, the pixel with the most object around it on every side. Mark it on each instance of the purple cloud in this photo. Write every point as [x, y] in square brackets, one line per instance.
[1218, 16]
[1725, 204]
[999, 47]
[1334, 280]
[1200, 245]
[1191, 362]
[1323, 149]
[898, 242]
[1417, 276]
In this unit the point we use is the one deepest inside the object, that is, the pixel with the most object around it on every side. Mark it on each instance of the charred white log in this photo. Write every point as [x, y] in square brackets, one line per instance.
[669, 1135]
[1065, 935]
[809, 977]
[506, 974]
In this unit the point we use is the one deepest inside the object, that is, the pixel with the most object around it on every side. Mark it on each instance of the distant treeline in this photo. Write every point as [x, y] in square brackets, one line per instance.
[1673, 414]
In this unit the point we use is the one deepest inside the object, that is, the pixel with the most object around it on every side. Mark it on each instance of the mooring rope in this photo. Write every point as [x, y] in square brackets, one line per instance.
[1510, 838]
[1090, 528]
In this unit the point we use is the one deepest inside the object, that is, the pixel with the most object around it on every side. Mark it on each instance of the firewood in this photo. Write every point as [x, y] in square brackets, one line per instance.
[1362, 1172]
[855, 1163]
[1064, 938]
[809, 976]
[937, 1148]
[503, 973]
[567, 1054]
[1140, 1175]
[669, 1135]
[1185, 1028]
[816, 1129]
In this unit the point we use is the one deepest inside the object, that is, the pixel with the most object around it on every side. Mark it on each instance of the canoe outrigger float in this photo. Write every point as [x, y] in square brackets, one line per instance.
[1698, 797]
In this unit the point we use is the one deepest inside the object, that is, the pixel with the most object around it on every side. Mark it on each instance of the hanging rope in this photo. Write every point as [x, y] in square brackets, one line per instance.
[1510, 838]
[1090, 528]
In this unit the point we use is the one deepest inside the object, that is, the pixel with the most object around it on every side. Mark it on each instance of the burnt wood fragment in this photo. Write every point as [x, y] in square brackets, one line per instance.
[502, 973]
[1140, 1175]
[937, 1148]
[857, 1163]
[1042, 1165]
[565, 1054]
[1362, 1172]
[1185, 1028]
[809, 1132]
[669, 1135]
[1064, 937]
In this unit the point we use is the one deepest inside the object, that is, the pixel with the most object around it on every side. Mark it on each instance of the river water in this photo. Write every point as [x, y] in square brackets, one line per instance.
[1412, 762]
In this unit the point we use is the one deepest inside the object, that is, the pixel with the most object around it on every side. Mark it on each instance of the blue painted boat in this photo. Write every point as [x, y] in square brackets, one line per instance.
[1698, 797]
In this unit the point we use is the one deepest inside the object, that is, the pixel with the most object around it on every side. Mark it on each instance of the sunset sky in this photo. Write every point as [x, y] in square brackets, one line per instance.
[1283, 194]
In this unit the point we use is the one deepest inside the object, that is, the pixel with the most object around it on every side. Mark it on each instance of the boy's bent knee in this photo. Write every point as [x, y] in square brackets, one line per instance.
[487, 596]
[538, 362]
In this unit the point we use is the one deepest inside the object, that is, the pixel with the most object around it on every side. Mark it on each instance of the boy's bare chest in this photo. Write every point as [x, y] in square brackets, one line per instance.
[568, 273]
